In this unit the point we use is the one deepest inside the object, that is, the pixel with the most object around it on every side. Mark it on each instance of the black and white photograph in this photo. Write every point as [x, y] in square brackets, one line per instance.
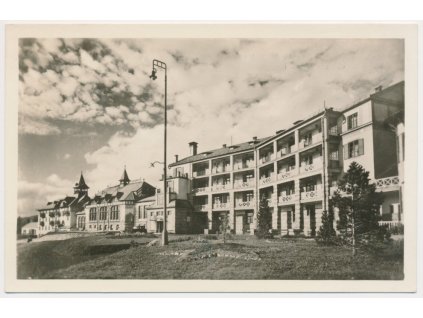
[179, 159]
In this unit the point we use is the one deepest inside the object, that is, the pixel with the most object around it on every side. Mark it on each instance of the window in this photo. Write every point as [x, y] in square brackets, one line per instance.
[352, 121]
[139, 212]
[117, 227]
[93, 214]
[99, 227]
[308, 160]
[114, 212]
[333, 155]
[354, 149]
[308, 137]
[144, 212]
[309, 187]
[103, 213]
[111, 227]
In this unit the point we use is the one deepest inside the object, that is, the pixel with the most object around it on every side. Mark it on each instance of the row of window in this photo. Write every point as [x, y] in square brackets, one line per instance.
[142, 213]
[105, 228]
[114, 213]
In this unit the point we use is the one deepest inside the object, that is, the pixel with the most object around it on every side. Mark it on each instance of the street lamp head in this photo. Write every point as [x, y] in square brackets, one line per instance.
[153, 74]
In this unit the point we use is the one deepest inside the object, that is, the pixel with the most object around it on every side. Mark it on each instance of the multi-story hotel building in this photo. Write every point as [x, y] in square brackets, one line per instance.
[297, 169]
[62, 213]
[113, 208]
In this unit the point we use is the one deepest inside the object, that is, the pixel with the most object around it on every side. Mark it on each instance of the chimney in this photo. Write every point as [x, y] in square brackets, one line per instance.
[176, 158]
[255, 138]
[193, 148]
[378, 89]
[224, 145]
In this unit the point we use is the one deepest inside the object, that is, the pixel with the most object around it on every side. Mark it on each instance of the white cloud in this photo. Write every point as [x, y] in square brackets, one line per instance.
[33, 195]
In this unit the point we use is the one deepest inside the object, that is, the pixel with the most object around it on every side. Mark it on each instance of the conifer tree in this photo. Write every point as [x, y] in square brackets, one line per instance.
[264, 219]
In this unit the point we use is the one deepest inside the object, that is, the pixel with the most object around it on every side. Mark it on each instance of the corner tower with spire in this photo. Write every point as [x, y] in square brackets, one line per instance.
[124, 180]
[81, 187]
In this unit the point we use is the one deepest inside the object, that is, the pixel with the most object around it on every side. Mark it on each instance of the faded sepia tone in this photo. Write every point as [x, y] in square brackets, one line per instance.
[254, 125]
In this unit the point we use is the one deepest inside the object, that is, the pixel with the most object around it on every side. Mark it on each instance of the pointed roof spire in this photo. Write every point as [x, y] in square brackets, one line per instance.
[124, 179]
[82, 184]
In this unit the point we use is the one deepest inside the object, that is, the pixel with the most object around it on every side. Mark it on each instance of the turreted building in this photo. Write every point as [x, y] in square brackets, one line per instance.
[61, 214]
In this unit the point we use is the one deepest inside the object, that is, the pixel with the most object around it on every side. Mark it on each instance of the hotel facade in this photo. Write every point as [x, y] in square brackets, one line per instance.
[297, 169]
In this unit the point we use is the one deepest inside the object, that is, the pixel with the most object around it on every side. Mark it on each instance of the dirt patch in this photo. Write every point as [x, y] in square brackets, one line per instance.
[201, 253]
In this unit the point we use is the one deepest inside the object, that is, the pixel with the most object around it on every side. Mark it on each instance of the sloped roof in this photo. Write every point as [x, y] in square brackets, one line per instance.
[120, 192]
[148, 199]
[124, 177]
[81, 184]
[221, 151]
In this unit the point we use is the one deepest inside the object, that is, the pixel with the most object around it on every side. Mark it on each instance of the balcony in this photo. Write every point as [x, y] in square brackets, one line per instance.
[201, 207]
[267, 180]
[217, 170]
[221, 206]
[287, 173]
[244, 184]
[286, 199]
[201, 173]
[387, 184]
[220, 187]
[311, 141]
[286, 151]
[316, 165]
[201, 190]
[243, 165]
[317, 193]
[267, 158]
[245, 204]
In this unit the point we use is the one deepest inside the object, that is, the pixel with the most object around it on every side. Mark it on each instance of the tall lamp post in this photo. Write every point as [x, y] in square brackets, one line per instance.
[158, 64]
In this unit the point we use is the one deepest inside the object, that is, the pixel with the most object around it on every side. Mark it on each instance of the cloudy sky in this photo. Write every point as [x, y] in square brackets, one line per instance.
[89, 105]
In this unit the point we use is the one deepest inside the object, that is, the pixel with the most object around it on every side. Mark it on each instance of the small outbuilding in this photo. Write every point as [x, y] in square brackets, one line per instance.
[30, 229]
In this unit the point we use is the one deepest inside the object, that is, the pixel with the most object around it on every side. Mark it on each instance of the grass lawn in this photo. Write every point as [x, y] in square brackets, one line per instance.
[187, 257]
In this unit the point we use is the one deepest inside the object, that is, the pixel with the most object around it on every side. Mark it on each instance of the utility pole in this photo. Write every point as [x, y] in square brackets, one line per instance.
[162, 65]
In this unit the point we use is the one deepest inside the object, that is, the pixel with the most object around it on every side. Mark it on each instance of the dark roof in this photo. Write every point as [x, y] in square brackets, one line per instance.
[124, 178]
[65, 202]
[221, 151]
[81, 184]
[148, 199]
[128, 192]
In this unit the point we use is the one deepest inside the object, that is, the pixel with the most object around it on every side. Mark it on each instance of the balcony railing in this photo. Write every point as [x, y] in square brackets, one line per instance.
[317, 164]
[201, 207]
[220, 187]
[201, 190]
[387, 183]
[390, 224]
[201, 173]
[285, 174]
[221, 206]
[317, 193]
[286, 199]
[244, 204]
[267, 180]
[247, 184]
